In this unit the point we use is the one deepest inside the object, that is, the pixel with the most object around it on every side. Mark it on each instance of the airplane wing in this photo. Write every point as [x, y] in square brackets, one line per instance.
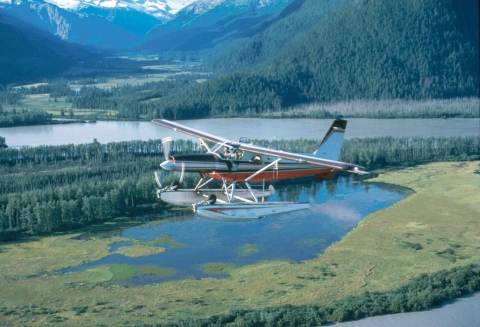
[304, 158]
[190, 131]
[261, 150]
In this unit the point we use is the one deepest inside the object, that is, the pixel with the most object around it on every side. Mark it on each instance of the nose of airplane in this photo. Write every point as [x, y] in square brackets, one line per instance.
[167, 165]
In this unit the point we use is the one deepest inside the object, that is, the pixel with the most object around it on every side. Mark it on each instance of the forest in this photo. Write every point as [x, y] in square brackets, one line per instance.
[364, 50]
[23, 117]
[59, 188]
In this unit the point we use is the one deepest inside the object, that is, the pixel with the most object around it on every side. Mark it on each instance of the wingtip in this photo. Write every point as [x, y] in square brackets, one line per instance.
[359, 171]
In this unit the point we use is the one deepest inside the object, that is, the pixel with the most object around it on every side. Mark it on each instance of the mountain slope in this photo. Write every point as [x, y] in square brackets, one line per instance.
[32, 54]
[102, 27]
[204, 23]
[366, 50]
[266, 40]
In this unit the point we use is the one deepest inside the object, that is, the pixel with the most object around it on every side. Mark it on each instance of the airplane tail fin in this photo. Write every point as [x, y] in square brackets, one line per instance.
[331, 144]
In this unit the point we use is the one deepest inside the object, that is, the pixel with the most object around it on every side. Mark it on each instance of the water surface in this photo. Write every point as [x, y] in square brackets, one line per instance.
[234, 128]
[340, 204]
[463, 312]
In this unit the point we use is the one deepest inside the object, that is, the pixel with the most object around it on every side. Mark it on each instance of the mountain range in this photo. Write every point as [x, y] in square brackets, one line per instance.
[151, 26]
[206, 23]
[411, 49]
[273, 54]
[97, 26]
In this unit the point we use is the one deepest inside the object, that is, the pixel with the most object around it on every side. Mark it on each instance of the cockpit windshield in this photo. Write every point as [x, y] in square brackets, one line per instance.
[216, 147]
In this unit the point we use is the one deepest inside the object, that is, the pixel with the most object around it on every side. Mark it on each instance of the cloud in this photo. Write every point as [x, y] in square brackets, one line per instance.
[337, 210]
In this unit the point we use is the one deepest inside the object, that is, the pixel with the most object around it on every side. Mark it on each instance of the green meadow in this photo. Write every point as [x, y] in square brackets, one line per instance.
[435, 228]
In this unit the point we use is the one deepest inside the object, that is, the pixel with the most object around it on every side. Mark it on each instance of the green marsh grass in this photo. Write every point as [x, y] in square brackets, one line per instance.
[441, 220]
[139, 250]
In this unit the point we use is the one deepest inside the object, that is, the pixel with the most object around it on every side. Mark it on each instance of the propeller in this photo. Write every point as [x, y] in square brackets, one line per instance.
[167, 145]
[167, 166]
[160, 174]
[158, 178]
[182, 173]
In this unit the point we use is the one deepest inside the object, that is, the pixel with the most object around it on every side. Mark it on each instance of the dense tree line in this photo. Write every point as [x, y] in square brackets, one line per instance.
[23, 117]
[51, 188]
[387, 151]
[407, 151]
[365, 50]
[132, 101]
[421, 293]
[56, 88]
[9, 97]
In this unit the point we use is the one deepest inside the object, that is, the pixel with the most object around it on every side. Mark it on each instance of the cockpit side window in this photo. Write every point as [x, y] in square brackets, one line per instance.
[256, 159]
[216, 147]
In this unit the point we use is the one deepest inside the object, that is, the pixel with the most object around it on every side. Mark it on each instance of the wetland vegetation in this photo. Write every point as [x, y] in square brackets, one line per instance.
[371, 269]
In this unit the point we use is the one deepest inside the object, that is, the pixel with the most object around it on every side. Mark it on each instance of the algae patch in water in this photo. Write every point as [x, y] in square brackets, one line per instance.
[154, 270]
[139, 250]
[248, 249]
[165, 239]
[217, 268]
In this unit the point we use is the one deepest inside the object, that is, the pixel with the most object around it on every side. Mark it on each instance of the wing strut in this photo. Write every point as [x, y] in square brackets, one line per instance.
[263, 169]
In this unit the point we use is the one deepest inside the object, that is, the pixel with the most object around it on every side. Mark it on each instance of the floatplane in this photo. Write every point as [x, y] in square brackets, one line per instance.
[234, 162]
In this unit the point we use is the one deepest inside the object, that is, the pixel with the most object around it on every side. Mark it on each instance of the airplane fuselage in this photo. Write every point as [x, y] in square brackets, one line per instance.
[243, 165]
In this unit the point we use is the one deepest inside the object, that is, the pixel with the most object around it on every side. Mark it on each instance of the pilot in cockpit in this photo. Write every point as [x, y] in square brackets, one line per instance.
[233, 153]
[229, 153]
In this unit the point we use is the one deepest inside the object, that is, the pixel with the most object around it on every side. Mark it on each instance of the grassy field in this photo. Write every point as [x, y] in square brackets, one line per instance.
[142, 71]
[438, 227]
[43, 101]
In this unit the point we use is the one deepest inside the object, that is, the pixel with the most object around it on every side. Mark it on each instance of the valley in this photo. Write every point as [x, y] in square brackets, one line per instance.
[84, 239]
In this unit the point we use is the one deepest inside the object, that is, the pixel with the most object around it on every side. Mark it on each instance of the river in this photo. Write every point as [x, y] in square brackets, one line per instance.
[234, 128]
[463, 312]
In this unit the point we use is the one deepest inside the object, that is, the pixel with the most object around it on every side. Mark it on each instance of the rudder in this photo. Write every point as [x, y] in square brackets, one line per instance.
[331, 144]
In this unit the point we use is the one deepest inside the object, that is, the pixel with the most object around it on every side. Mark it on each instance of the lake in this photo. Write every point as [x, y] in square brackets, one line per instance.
[234, 128]
[339, 205]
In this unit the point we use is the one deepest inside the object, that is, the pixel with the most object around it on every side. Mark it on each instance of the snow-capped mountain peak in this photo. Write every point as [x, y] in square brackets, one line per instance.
[202, 6]
[157, 8]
